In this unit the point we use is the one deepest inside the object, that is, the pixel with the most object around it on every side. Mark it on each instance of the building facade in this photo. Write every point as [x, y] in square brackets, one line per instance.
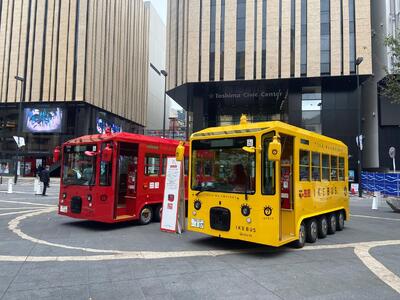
[84, 67]
[381, 121]
[290, 60]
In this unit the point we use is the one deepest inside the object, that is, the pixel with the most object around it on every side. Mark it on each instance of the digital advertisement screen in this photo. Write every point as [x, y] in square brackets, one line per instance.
[43, 120]
[102, 125]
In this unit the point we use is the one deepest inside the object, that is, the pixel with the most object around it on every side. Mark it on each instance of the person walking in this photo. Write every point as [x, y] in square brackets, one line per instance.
[45, 178]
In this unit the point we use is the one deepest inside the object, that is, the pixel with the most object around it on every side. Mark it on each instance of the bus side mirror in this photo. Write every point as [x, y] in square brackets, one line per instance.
[56, 154]
[107, 153]
[180, 152]
[274, 149]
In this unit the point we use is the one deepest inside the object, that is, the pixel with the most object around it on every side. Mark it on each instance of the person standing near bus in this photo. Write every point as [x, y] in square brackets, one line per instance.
[45, 178]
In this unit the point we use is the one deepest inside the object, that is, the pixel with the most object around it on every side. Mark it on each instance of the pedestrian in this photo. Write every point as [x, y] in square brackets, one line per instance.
[45, 178]
[39, 170]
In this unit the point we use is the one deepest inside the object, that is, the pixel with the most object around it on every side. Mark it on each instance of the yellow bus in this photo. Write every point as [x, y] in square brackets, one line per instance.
[269, 183]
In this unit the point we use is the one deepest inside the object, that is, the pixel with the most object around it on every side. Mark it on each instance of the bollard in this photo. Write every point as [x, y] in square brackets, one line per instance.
[375, 200]
[10, 186]
[37, 187]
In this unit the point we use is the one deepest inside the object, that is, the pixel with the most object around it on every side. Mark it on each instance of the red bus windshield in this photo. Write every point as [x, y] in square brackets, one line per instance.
[79, 165]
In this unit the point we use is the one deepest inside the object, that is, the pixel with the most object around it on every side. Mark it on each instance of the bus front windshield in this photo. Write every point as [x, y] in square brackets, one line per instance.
[221, 165]
[79, 165]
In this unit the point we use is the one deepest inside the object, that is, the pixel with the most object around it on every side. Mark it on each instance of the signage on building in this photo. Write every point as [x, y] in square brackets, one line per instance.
[240, 95]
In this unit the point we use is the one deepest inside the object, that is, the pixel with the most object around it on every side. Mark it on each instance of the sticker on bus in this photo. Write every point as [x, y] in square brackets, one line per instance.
[64, 209]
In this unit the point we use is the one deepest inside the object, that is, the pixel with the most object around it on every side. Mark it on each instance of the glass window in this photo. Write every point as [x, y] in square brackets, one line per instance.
[303, 38]
[316, 163]
[152, 164]
[311, 109]
[212, 39]
[221, 165]
[240, 38]
[79, 165]
[268, 177]
[334, 174]
[304, 165]
[325, 167]
[341, 168]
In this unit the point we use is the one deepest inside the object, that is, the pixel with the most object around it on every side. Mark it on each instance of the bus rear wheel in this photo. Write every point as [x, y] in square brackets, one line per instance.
[157, 213]
[302, 237]
[146, 215]
[312, 231]
[340, 221]
[332, 223]
[322, 227]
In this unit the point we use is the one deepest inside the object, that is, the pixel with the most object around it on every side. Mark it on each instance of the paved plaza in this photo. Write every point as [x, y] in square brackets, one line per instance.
[46, 256]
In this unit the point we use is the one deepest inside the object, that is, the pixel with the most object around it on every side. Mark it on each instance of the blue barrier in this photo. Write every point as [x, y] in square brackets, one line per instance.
[386, 183]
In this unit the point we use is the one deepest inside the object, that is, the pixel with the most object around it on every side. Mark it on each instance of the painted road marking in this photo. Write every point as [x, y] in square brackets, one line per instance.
[377, 268]
[19, 212]
[372, 217]
[14, 208]
[361, 250]
[29, 203]
[29, 193]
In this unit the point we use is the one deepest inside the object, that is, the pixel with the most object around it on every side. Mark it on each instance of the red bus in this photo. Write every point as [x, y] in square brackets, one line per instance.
[114, 177]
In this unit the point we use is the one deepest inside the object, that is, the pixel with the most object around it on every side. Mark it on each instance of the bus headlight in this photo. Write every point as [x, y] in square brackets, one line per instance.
[89, 198]
[197, 204]
[245, 210]
[64, 195]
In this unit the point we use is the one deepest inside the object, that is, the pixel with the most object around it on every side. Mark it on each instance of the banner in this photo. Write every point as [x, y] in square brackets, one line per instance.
[173, 197]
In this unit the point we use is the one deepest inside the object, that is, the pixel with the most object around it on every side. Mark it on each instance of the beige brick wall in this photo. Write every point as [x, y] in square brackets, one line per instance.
[230, 40]
[363, 36]
[272, 38]
[336, 39]
[285, 60]
[313, 38]
[193, 41]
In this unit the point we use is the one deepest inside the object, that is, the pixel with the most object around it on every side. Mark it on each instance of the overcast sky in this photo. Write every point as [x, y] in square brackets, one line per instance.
[161, 7]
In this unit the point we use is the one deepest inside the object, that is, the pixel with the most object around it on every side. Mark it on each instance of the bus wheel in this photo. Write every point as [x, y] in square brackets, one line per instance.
[340, 221]
[302, 237]
[312, 231]
[322, 227]
[146, 214]
[332, 223]
[157, 213]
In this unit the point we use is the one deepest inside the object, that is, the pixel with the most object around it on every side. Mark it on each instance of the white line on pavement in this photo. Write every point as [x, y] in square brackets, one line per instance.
[30, 203]
[14, 208]
[377, 268]
[19, 212]
[371, 217]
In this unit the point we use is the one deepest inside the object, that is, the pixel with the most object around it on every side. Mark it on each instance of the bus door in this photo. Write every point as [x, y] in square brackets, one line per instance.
[287, 213]
[126, 180]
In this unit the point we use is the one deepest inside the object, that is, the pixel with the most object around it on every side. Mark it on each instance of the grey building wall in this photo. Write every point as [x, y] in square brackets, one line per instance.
[157, 46]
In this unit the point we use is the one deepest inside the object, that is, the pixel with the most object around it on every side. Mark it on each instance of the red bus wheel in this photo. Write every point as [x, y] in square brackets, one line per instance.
[146, 215]
[157, 213]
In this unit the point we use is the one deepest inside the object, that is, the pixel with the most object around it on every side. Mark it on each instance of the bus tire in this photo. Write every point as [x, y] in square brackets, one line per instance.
[322, 227]
[331, 223]
[312, 231]
[339, 220]
[302, 237]
[157, 213]
[146, 215]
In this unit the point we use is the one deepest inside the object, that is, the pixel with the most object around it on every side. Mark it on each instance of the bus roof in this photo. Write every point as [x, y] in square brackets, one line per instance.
[121, 136]
[248, 127]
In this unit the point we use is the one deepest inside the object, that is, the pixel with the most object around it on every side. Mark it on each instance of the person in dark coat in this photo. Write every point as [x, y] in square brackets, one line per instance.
[45, 178]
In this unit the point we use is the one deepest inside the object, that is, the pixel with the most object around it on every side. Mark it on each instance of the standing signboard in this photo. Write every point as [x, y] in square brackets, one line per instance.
[173, 202]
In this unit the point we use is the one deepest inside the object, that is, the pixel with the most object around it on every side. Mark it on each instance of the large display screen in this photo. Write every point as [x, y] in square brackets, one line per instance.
[42, 120]
[102, 125]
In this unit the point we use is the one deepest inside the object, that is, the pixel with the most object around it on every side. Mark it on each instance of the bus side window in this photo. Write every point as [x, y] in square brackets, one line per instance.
[334, 175]
[152, 165]
[164, 165]
[105, 173]
[341, 168]
[325, 167]
[186, 165]
[316, 164]
[304, 165]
